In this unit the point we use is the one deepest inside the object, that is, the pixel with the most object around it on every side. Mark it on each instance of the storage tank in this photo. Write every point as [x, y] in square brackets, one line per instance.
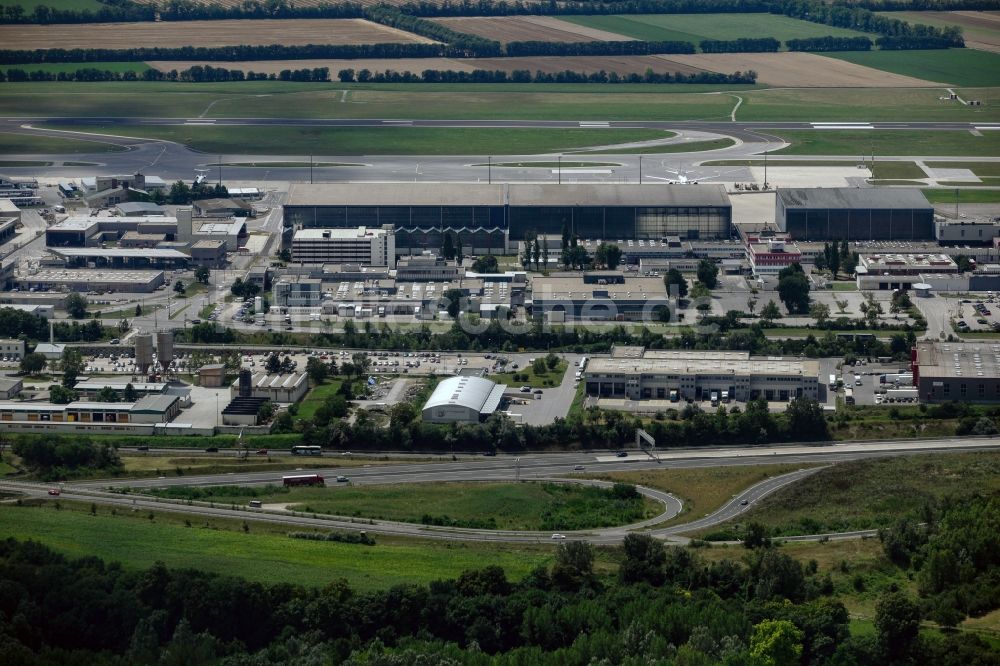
[143, 352]
[165, 348]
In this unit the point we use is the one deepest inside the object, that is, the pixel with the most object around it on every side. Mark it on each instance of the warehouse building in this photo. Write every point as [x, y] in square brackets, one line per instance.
[633, 373]
[896, 264]
[605, 296]
[363, 246]
[87, 279]
[141, 416]
[463, 400]
[122, 258]
[300, 292]
[279, 388]
[847, 213]
[962, 371]
[90, 388]
[493, 218]
[967, 232]
[86, 231]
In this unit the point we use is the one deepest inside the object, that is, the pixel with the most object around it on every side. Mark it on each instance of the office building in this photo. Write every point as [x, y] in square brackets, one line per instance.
[364, 246]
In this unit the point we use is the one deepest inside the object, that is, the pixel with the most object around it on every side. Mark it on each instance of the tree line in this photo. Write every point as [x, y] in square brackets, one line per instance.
[536, 48]
[742, 45]
[457, 44]
[659, 604]
[820, 44]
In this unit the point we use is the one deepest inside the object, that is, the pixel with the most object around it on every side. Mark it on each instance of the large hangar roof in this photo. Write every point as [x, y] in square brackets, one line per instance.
[514, 194]
[853, 197]
[475, 393]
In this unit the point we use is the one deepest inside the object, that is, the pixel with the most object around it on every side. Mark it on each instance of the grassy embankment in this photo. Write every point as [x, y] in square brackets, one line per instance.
[868, 494]
[11, 143]
[508, 506]
[889, 142]
[262, 553]
[549, 378]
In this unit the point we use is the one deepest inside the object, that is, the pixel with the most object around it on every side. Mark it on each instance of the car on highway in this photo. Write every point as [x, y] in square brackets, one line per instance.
[579, 468]
[54, 491]
[744, 502]
[255, 504]
[262, 452]
[525, 389]
[558, 536]
[212, 449]
[342, 479]
[622, 454]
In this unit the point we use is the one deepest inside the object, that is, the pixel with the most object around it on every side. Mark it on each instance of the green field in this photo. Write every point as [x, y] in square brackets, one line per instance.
[56, 68]
[380, 141]
[507, 506]
[897, 170]
[868, 494]
[941, 19]
[697, 27]
[981, 169]
[76, 5]
[316, 397]
[946, 195]
[688, 147]
[549, 378]
[961, 67]
[31, 144]
[263, 554]
[888, 142]
[866, 104]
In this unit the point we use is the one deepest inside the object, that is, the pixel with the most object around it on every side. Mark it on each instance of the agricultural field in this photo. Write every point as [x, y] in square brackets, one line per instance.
[798, 70]
[171, 34]
[888, 142]
[959, 67]
[63, 5]
[264, 553]
[505, 506]
[529, 28]
[697, 27]
[57, 67]
[548, 64]
[381, 140]
[867, 494]
[980, 29]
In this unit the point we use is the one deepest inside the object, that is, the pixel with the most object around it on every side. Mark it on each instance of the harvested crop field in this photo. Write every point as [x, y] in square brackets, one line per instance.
[202, 33]
[529, 28]
[806, 70]
[980, 29]
[549, 64]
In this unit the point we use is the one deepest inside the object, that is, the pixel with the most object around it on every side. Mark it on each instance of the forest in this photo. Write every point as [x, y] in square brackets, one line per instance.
[663, 605]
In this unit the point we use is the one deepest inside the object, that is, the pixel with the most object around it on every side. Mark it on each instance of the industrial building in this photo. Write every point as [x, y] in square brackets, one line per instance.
[211, 253]
[961, 371]
[86, 231]
[12, 349]
[905, 264]
[633, 373]
[427, 267]
[463, 400]
[363, 246]
[221, 208]
[97, 417]
[604, 296]
[122, 258]
[280, 388]
[90, 388]
[300, 292]
[966, 232]
[847, 213]
[10, 387]
[87, 279]
[493, 218]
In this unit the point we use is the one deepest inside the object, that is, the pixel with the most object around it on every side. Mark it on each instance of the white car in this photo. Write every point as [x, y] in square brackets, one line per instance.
[558, 536]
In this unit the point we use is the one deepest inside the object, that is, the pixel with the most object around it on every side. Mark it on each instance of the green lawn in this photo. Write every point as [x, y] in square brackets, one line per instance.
[866, 104]
[382, 141]
[697, 27]
[981, 169]
[962, 67]
[897, 170]
[687, 147]
[28, 143]
[947, 195]
[867, 494]
[888, 142]
[548, 378]
[58, 67]
[508, 506]
[316, 397]
[263, 554]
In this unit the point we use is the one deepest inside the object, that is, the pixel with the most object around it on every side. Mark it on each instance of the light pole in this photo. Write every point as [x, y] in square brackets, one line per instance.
[560, 169]
[640, 169]
[489, 170]
[517, 469]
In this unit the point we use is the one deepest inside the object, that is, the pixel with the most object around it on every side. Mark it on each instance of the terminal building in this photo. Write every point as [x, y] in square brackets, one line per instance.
[853, 214]
[632, 373]
[491, 219]
[463, 399]
[961, 371]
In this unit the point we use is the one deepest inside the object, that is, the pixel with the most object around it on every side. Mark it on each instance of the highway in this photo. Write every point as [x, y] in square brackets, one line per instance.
[535, 467]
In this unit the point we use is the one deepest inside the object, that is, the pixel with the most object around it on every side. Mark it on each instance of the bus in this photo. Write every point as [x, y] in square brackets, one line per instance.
[303, 480]
[833, 382]
[307, 451]
[849, 395]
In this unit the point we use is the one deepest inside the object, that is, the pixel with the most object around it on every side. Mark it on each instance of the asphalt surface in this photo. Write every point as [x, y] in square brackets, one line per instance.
[171, 160]
[535, 467]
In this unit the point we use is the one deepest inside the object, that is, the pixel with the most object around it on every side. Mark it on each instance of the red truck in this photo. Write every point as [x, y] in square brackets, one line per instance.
[303, 480]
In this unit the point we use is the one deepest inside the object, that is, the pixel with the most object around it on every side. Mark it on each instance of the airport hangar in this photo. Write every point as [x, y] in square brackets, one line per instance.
[854, 214]
[491, 219]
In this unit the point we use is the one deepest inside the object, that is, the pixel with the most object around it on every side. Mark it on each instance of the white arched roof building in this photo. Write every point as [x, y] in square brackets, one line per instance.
[463, 400]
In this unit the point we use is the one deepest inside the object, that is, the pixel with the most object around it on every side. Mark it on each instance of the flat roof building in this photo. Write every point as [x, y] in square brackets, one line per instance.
[592, 297]
[850, 213]
[493, 218]
[12, 349]
[905, 264]
[961, 371]
[635, 374]
[364, 246]
[964, 231]
[140, 416]
[463, 400]
[90, 388]
[279, 388]
[122, 258]
[88, 279]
